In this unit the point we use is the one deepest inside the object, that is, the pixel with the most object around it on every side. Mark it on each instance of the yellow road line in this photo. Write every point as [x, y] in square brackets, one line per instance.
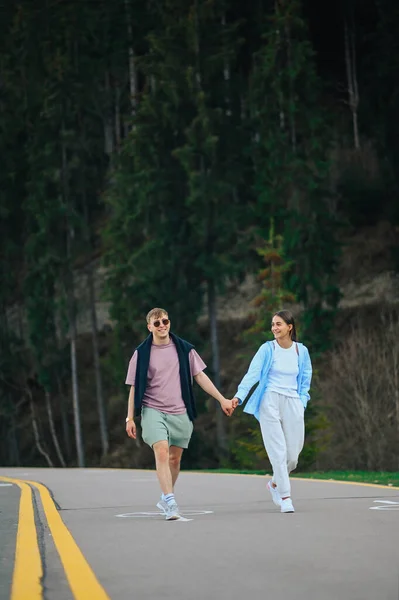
[82, 580]
[28, 570]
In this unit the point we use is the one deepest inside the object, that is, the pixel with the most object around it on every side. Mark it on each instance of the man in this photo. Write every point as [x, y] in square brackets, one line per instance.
[160, 374]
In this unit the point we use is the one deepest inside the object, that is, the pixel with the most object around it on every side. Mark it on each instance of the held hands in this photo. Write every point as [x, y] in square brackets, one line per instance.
[229, 406]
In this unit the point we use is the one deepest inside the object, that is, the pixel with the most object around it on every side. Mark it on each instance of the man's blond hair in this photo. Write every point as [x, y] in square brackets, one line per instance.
[157, 313]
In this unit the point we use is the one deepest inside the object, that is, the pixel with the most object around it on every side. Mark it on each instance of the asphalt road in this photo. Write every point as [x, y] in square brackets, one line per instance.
[342, 543]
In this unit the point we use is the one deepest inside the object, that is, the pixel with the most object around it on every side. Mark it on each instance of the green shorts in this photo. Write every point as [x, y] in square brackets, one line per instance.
[157, 426]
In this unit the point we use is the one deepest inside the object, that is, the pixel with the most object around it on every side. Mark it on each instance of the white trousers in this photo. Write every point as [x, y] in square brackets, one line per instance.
[283, 430]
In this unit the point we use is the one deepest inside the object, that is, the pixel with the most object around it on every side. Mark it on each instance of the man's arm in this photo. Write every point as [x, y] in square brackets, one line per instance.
[130, 424]
[208, 387]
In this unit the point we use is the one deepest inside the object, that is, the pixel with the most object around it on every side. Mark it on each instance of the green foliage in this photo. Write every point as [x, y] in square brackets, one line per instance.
[273, 296]
[291, 167]
[173, 195]
[150, 261]
[223, 147]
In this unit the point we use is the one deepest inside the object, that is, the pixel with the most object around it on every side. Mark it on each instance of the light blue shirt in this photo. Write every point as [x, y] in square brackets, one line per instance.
[258, 371]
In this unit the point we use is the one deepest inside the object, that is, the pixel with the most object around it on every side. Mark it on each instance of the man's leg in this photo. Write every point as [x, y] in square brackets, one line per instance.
[180, 429]
[175, 454]
[167, 503]
[161, 451]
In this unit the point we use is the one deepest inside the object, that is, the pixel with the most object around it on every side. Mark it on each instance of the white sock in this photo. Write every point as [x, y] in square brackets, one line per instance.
[169, 498]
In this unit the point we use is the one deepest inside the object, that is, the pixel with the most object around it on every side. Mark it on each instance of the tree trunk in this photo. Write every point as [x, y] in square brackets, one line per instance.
[351, 73]
[52, 429]
[97, 368]
[108, 129]
[36, 432]
[118, 131]
[132, 62]
[75, 393]
[94, 336]
[70, 294]
[220, 418]
[393, 389]
[291, 87]
[197, 48]
[226, 76]
[280, 95]
[64, 421]
[13, 443]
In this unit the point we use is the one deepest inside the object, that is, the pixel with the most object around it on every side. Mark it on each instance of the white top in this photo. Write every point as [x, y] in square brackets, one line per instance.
[284, 371]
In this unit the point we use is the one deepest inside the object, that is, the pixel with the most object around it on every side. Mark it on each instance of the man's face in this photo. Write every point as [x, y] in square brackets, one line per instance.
[159, 326]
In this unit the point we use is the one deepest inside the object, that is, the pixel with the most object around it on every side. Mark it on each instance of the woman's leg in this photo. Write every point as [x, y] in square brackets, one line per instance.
[293, 424]
[274, 441]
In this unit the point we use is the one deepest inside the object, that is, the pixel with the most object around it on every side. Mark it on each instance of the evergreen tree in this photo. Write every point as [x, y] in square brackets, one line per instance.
[291, 166]
[272, 296]
[148, 251]
[212, 159]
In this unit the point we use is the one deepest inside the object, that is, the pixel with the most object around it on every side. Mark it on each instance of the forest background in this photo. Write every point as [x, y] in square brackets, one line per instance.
[217, 158]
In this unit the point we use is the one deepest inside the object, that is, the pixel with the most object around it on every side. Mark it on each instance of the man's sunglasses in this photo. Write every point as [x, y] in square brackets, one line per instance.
[163, 321]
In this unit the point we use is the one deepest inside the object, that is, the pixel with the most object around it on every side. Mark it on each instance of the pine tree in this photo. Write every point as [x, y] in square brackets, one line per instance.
[148, 252]
[211, 158]
[273, 295]
[290, 143]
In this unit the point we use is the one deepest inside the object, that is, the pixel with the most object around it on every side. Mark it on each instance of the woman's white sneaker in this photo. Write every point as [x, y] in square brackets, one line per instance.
[275, 495]
[287, 506]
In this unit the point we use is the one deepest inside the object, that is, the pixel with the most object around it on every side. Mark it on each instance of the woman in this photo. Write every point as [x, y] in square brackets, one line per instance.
[284, 372]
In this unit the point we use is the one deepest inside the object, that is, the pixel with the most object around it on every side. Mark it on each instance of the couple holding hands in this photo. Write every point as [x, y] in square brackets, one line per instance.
[161, 373]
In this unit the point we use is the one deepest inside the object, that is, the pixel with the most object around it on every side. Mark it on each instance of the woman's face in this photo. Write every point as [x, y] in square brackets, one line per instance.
[280, 329]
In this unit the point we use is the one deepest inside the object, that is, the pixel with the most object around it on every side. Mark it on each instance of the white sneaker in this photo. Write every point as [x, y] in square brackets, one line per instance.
[172, 513]
[275, 495]
[287, 506]
[162, 505]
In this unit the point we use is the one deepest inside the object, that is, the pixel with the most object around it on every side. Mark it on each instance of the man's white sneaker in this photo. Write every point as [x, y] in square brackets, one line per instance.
[287, 506]
[172, 513]
[162, 505]
[275, 495]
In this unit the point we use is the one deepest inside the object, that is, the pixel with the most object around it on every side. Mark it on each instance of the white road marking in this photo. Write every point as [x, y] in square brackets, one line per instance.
[150, 515]
[386, 505]
[5, 484]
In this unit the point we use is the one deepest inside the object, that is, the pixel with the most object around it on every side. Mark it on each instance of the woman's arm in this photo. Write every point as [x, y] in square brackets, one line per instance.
[306, 379]
[253, 374]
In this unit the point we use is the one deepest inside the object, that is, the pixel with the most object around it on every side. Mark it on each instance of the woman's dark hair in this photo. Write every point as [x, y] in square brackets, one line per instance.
[287, 316]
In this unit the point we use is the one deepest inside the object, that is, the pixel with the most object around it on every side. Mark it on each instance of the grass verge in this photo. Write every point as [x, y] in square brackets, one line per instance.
[380, 478]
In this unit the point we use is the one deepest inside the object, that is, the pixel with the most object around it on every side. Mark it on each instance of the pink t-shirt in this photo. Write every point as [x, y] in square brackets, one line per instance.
[163, 391]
